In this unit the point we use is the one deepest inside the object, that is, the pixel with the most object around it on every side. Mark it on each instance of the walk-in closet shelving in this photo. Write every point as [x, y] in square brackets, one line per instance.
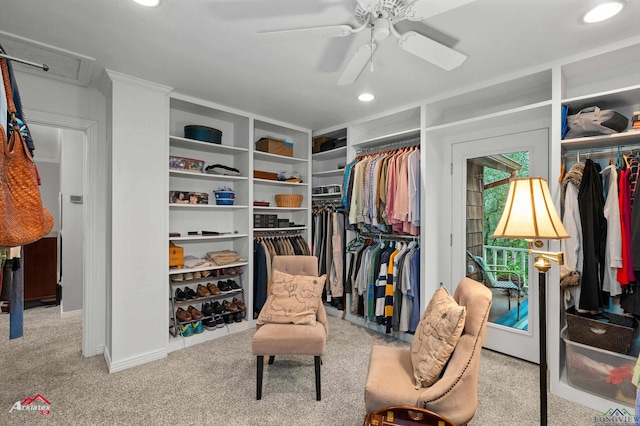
[230, 221]
[609, 80]
[297, 165]
[328, 167]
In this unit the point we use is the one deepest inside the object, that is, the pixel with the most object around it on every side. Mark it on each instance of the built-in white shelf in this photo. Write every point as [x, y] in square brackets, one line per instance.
[399, 136]
[180, 173]
[604, 141]
[174, 206]
[329, 173]
[197, 238]
[332, 195]
[186, 143]
[277, 182]
[174, 271]
[330, 155]
[280, 208]
[274, 158]
[624, 96]
[292, 228]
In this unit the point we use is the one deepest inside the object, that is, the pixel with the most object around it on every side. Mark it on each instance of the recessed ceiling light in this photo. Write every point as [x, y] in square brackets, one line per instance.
[603, 11]
[148, 3]
[366, 97]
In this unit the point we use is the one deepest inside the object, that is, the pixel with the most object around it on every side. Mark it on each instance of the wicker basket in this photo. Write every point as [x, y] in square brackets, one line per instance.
[288, 200]
[606, 331]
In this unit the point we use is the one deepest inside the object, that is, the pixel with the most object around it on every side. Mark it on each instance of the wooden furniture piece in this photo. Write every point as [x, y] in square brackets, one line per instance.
[405, 415]
[40, 263]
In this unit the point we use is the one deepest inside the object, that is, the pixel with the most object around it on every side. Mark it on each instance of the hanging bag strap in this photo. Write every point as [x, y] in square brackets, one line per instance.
[9, 148]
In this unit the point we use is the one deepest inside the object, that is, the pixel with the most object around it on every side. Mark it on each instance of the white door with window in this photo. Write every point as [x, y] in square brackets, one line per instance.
[480, 176]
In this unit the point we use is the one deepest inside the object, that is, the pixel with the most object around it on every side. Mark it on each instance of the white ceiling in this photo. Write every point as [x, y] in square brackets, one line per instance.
[208, 48]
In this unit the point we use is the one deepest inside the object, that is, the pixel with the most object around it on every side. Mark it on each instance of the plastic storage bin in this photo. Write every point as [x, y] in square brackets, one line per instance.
[600, 372]
[225, 198]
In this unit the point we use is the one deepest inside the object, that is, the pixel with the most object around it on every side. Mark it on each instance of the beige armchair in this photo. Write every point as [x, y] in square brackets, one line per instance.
[292, 339]
[390, 379]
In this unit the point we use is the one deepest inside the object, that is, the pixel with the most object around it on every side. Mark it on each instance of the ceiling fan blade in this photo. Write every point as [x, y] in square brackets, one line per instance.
[356, 64]
[431, 51]
[423, 9]
[331, 31]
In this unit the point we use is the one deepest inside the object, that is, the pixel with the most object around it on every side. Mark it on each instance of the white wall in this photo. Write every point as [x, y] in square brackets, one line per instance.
[50, 178]
[139, 152]
[51, 102]
[72, 158]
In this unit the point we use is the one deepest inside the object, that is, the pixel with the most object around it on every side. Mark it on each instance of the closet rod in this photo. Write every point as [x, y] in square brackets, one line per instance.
[388, 237]
[393, 145]
[612, 150]
[44, 67]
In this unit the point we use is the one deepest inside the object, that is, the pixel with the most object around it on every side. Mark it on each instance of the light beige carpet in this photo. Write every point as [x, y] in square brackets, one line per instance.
[214, 383]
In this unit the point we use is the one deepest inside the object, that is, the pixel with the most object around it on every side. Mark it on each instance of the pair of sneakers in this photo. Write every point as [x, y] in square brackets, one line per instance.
[233, 317]
[228, 286]
[213, 322]
[191, 329]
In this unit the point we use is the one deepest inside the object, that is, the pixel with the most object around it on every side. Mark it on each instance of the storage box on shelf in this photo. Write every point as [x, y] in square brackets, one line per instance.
[606, 330]
[600, 372]
[275, 146]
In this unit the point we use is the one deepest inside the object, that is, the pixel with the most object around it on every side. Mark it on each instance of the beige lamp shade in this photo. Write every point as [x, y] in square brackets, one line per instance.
[529, 212]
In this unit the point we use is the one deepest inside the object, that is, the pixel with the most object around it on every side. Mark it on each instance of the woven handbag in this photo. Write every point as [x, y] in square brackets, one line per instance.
[23, 218]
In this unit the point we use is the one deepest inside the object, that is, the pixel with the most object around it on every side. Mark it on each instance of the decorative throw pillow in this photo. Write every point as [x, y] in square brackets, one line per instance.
[436, 337]
[293, 299]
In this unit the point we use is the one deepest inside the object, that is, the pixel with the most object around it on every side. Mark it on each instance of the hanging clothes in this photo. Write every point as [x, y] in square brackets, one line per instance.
[594, 233]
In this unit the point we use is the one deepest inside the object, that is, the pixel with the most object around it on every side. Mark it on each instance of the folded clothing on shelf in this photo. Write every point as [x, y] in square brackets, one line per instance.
[290, 176]
[224, 257]
[194, 262]
[220, 169]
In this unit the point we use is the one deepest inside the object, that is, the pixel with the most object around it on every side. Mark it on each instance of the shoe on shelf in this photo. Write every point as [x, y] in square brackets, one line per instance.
[209, 324]
[239, 271]
[240, 304]
[216, 272]
[228, 306]
[177, 277]
[217, 308]
[219, 321]
[180, 295]
[237, 317]
[229, 271]
[205, 274]
[227, 319]
[187, 330]
[207, 309]
[195, 314]
[188, 276]
[197, 327]
[234, 285]
[190, 293]
[224, 287]
[203, 291]
[183, 316]
[197, 274]
[213, 289]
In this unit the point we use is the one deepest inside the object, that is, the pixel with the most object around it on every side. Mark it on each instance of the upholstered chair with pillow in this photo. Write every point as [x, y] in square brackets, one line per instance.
[293, 320]
[440, 370]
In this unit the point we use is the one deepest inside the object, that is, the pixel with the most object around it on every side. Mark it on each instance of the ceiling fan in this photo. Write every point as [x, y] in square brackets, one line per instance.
[380, 16]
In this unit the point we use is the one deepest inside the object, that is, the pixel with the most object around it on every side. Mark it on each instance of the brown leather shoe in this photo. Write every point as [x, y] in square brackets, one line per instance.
[183, 316]
[195, 314]
[203, 291]
[213, 289]
[231, 307]
[241, 306]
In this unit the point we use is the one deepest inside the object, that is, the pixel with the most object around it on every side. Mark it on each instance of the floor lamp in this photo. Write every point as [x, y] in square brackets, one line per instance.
[529, 214]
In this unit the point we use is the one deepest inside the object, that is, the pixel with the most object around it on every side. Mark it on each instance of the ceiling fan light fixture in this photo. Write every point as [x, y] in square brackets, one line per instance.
[148, 3]
[381, 28]
[366, 97]
[603, 11]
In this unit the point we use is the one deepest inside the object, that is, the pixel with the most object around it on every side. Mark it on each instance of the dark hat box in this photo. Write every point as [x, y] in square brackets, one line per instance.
[203, 134]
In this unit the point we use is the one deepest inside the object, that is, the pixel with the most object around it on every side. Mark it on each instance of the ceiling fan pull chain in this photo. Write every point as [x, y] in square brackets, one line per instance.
[371, 50]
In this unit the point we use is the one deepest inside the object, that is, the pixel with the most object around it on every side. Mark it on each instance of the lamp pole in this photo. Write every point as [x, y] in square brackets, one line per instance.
[542, 265]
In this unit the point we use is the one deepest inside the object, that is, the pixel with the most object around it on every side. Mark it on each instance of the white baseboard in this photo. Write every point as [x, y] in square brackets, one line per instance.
[114, 367]
[77, 313]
